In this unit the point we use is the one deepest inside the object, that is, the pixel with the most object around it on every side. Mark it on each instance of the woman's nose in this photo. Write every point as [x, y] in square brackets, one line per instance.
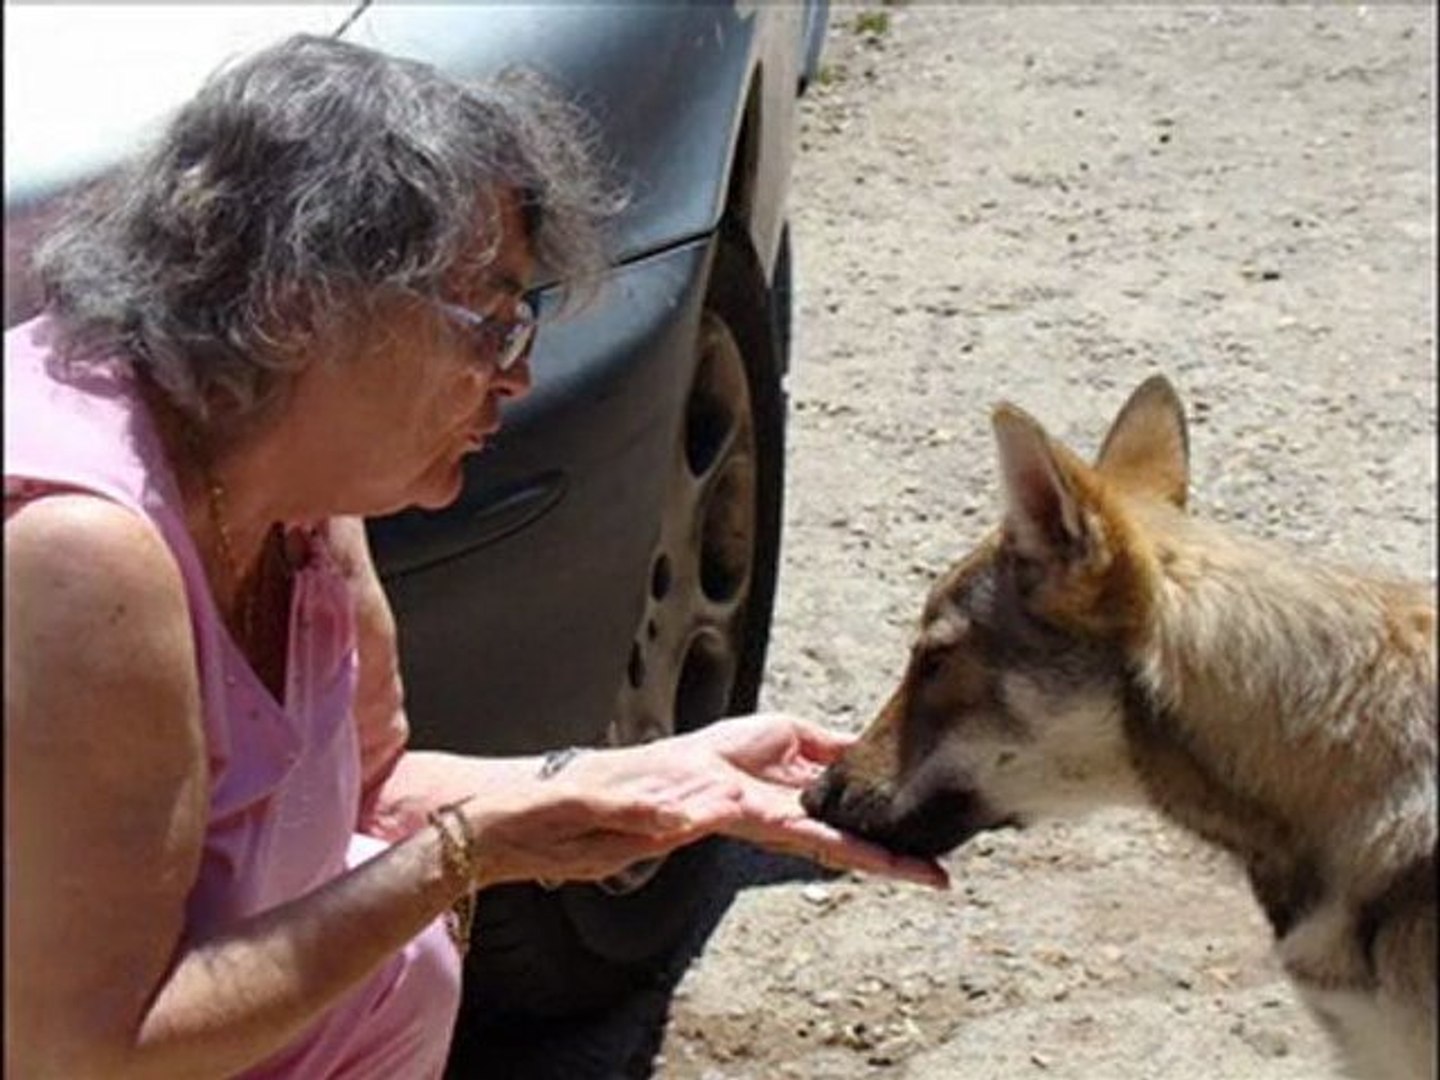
[515, 381]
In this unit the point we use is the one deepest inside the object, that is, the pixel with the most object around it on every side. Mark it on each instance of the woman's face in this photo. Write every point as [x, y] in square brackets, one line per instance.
[393, 421]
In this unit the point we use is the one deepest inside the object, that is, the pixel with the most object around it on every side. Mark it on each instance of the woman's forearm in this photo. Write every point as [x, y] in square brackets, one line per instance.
[422, 781]
[232, 1001]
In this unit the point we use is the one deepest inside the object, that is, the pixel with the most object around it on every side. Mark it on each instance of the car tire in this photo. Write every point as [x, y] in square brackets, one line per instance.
[540, 953]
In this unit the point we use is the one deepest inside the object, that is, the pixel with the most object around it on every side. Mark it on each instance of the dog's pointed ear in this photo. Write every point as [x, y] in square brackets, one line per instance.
[1044, 518]
[1148, 448]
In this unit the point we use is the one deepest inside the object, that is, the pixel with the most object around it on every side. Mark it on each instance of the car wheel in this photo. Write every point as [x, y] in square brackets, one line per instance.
[698, 654]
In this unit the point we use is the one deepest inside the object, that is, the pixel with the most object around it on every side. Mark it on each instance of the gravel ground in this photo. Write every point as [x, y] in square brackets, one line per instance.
[1047, 205]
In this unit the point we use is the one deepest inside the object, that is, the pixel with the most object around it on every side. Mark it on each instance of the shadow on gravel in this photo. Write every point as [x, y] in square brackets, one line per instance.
[621, 1044]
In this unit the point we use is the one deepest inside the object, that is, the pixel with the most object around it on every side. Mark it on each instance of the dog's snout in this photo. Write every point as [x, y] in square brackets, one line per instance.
[823, 794]
[926, 824]
[838, 798]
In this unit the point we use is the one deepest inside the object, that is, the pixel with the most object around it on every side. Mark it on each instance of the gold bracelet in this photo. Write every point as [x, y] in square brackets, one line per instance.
[459, 860]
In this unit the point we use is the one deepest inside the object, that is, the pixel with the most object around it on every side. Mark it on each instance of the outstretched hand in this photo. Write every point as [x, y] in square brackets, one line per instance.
[609, 809]
[774, 757]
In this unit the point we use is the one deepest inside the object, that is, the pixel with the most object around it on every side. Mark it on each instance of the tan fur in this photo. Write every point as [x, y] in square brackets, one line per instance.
[1104, 643]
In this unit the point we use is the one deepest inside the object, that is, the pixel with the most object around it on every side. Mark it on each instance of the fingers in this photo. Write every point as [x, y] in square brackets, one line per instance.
[864, 857]
[693, 806]
[794, 774]
[704, 812]
[774, 747]
[841, 851]
[817, 744]
[821, 744]
[597, 855]
[775, 820]
[628, 830]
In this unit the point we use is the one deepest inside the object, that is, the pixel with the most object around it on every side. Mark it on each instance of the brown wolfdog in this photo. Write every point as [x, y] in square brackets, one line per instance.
[1104, 645]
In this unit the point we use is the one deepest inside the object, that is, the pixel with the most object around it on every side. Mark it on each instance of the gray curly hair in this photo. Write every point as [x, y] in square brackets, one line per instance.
[293, 190]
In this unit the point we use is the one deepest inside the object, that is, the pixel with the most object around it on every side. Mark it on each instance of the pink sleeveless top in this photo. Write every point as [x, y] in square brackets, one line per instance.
[284, 776]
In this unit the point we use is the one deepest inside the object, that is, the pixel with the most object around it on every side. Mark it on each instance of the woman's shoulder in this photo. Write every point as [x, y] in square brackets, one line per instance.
[81, 520]
[70, 424]
[81, 550]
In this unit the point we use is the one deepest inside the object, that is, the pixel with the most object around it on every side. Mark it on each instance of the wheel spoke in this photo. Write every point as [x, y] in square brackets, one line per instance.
[684, 657]
[717, 415]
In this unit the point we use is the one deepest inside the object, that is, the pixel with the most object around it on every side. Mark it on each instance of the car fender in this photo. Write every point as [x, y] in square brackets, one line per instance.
[668, 86]
[671, 87]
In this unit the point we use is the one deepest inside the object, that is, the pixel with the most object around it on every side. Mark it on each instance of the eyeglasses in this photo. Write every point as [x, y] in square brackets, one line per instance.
[507, 341]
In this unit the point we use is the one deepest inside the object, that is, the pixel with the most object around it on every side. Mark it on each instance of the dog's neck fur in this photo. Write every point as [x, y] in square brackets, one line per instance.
[1186, 788]
[1287, 713]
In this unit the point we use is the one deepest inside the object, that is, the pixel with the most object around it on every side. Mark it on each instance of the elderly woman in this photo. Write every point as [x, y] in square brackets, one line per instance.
[303, 306]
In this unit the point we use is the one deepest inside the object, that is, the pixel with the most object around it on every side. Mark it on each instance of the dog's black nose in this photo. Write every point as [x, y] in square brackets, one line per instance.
[820, 798]
[838, 798]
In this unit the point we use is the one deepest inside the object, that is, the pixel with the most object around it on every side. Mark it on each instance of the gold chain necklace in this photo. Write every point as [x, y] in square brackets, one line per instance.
[219, 520]
[246, 596]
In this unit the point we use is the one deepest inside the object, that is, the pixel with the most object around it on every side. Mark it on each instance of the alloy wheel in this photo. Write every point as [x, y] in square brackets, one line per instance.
[684, 658]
